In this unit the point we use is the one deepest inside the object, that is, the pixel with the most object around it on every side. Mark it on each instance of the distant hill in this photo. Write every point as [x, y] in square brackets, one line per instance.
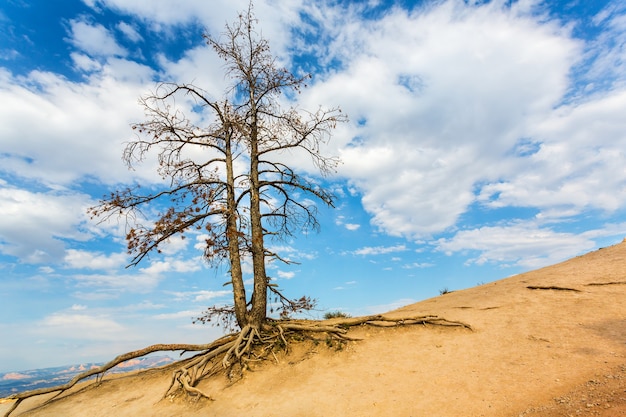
[13, 382]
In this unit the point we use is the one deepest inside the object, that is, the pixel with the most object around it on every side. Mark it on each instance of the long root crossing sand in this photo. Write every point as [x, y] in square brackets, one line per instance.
[548, 343]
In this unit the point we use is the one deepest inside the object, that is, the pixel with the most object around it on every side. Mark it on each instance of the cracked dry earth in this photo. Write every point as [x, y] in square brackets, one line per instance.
[550, 342]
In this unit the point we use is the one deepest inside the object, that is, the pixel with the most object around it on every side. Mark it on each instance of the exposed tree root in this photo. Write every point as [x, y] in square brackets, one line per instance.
[551, 287]
[99, 372]
[251, 343]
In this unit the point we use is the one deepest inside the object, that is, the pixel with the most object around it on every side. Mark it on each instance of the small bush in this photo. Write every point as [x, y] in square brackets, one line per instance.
[336, 315]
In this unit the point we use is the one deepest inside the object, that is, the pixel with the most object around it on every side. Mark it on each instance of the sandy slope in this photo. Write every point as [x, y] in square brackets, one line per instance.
[553, 351]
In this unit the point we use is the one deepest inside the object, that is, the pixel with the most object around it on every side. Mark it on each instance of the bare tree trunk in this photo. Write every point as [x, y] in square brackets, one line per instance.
[232, 234]
[258, 311]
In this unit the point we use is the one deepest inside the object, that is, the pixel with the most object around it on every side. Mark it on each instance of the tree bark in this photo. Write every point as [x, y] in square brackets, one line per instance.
[258, 310]
[232, 234]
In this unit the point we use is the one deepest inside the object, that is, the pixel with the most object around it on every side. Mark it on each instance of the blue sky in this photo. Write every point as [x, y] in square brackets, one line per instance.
[485, 139]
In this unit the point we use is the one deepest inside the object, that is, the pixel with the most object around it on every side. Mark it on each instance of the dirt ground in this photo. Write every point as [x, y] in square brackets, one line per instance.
[547, 343]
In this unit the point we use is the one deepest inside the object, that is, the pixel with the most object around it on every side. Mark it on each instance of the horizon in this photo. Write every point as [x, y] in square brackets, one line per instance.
[485, 140]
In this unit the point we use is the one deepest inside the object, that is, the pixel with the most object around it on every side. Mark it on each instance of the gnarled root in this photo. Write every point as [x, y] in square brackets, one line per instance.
[233, 348]
[259, 342]
[251, 343]
[99, 372]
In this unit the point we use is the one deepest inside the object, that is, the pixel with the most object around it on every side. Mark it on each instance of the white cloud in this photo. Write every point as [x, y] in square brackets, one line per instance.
[438, 98]
[173, 265]
[164, 14]
[609, 56]
[286, 275]
[84, 63]
[144, 305]
[523, 244]
[416, 265]
[33, 224]
[579, 165]
[174, 245]
[94, 39]
[379, 250]
[347, 284]
[114, 283]
[185, 314]
[198, 296]
[129, 31]
[204, 295]
[341, 221]
[85, 123]
[93, 260]
[291, 254]
[80, 326]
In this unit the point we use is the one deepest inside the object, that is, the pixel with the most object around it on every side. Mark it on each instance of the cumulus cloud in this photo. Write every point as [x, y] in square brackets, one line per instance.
[85, 123]
[94, 260]
[286, 274]
[84, 63]
[578, 166]
[173, 265]
[173, 245]
[451, 105]
[94, 39]
[200, 14]
[442, 100]
[33, 225]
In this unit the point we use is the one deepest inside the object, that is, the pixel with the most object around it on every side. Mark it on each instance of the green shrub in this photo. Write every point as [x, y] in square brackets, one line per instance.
[336, 315]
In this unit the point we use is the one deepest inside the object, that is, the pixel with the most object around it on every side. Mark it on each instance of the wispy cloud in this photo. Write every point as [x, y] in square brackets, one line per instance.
[80, 326]
[379, 250]
[418, 265]
[341, 221]
[198, 296]
[522, 244]
[129, 31]
[185, 314]
[347, 285]
[384, 308]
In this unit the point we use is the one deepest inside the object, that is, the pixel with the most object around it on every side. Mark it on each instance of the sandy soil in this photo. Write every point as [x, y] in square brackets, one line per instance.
[548, 343]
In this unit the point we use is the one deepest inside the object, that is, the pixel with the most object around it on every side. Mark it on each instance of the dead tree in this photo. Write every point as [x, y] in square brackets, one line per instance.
[224, 160]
